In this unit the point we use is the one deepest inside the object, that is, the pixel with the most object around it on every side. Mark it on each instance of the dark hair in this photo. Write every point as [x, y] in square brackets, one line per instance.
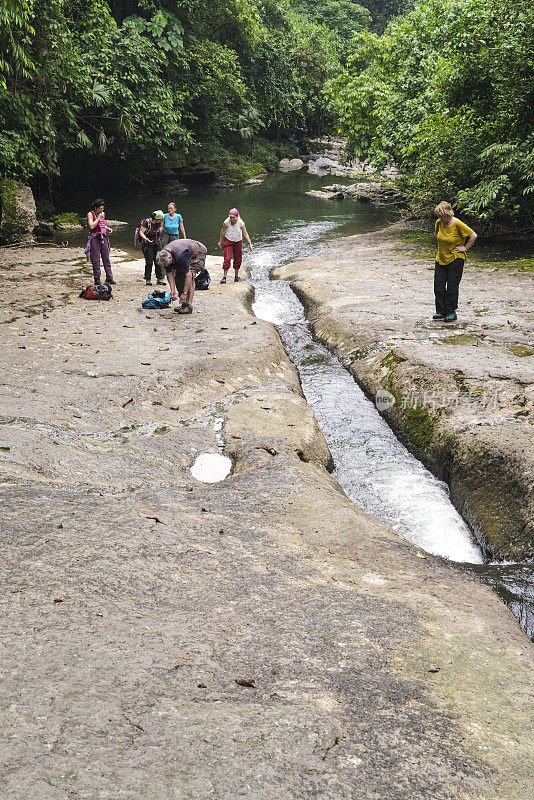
[97, 203]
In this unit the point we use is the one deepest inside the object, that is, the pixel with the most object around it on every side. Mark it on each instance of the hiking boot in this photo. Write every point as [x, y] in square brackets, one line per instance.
[237, 279]
[223, 280]
[185, 308]
[110, 282]
[148, 283]
[437, 316]
[450, 317]
[161, 283]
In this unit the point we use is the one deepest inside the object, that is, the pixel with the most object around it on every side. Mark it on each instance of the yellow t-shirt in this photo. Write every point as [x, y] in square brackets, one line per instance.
[449, 238]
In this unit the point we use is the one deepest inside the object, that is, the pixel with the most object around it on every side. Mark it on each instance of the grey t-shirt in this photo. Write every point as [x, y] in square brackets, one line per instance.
[186, 253]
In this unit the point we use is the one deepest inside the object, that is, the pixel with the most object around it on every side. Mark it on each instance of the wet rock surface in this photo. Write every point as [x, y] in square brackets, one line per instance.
[137, 600]
[462, 394]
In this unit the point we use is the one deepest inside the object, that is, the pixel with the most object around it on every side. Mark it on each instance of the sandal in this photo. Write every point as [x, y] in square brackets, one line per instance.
[223, 280]
[237, 279]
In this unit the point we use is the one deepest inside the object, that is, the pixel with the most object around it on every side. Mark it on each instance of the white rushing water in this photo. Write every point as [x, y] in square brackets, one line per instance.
[375, 470]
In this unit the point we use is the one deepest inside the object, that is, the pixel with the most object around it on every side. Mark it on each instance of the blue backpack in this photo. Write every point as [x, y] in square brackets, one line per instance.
[157, 300]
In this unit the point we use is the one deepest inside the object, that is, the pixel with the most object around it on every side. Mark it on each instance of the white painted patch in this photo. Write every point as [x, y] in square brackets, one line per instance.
[211, 467]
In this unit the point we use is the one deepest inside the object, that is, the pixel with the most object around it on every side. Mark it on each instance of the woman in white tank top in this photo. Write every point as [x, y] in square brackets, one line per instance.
[231, 240]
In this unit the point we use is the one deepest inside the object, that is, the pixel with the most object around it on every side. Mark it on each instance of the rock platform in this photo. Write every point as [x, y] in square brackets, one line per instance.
[257, 638]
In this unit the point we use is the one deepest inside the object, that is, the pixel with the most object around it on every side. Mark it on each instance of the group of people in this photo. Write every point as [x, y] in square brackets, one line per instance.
[166, 249]
[175, 257]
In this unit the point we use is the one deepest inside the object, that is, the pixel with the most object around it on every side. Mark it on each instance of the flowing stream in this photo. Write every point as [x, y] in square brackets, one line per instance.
[374, 469]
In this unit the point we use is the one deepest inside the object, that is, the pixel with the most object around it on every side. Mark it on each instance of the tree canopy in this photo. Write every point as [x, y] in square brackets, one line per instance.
[444, 89]
[447, 93]
[134, 80]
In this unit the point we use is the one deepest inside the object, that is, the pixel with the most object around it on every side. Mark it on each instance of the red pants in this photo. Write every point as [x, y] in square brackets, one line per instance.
[232, 249]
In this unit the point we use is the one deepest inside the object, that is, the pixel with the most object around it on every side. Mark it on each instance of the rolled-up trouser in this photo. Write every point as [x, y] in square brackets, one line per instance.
[150, 249]
[99, 247]
[168, 237]
[446, 284]
[232, 250]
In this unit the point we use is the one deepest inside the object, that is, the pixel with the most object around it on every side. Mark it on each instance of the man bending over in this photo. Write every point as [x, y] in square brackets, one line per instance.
[180, 259]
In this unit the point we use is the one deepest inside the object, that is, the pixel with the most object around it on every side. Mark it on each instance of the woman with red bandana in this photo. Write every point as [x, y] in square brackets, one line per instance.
[231, 240]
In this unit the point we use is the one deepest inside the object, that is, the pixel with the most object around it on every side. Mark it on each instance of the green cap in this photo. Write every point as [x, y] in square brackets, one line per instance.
[157, 214]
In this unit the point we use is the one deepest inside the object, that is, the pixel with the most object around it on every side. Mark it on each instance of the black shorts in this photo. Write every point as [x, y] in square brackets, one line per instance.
[181, 264]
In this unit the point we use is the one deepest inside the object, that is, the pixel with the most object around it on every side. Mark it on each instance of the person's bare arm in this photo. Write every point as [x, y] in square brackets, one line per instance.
[142, 236]
[221, 237]
[182, 229]
[247, 237]
[463, 248]
[93, 222]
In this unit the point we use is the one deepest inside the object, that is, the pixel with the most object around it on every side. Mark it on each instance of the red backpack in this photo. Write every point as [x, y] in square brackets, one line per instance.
[100, 292]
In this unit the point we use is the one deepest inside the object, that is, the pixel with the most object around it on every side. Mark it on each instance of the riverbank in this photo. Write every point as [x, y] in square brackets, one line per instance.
[135, 596]
[461, 394]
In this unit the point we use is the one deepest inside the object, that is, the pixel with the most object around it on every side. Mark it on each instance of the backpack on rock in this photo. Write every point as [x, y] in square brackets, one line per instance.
[157, 300]
[99, 292]
[202, 279]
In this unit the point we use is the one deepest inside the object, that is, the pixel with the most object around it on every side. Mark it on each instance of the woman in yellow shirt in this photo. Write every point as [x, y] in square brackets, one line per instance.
[454, 240]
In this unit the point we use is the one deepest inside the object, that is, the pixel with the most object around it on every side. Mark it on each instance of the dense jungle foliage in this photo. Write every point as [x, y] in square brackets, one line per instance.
[138, 83]
[447, 92]
[443, 88]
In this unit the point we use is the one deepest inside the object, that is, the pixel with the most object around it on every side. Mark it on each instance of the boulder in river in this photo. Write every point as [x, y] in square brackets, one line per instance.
[18, 212]
[325, 195]
[67, 222]
[322, 166]
[290, 164]
[116, 223]
[365, 192]
[336, 188]
[256, 180]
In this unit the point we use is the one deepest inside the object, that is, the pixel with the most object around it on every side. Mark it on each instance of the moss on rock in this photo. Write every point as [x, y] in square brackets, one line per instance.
[419, 425]
[391, 359]
[462, 338]
[520, 350]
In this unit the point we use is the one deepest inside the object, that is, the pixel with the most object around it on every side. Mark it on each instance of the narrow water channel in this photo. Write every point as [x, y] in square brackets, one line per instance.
[374, 469]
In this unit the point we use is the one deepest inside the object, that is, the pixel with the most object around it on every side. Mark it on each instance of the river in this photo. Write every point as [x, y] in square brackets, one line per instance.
[374, 469]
